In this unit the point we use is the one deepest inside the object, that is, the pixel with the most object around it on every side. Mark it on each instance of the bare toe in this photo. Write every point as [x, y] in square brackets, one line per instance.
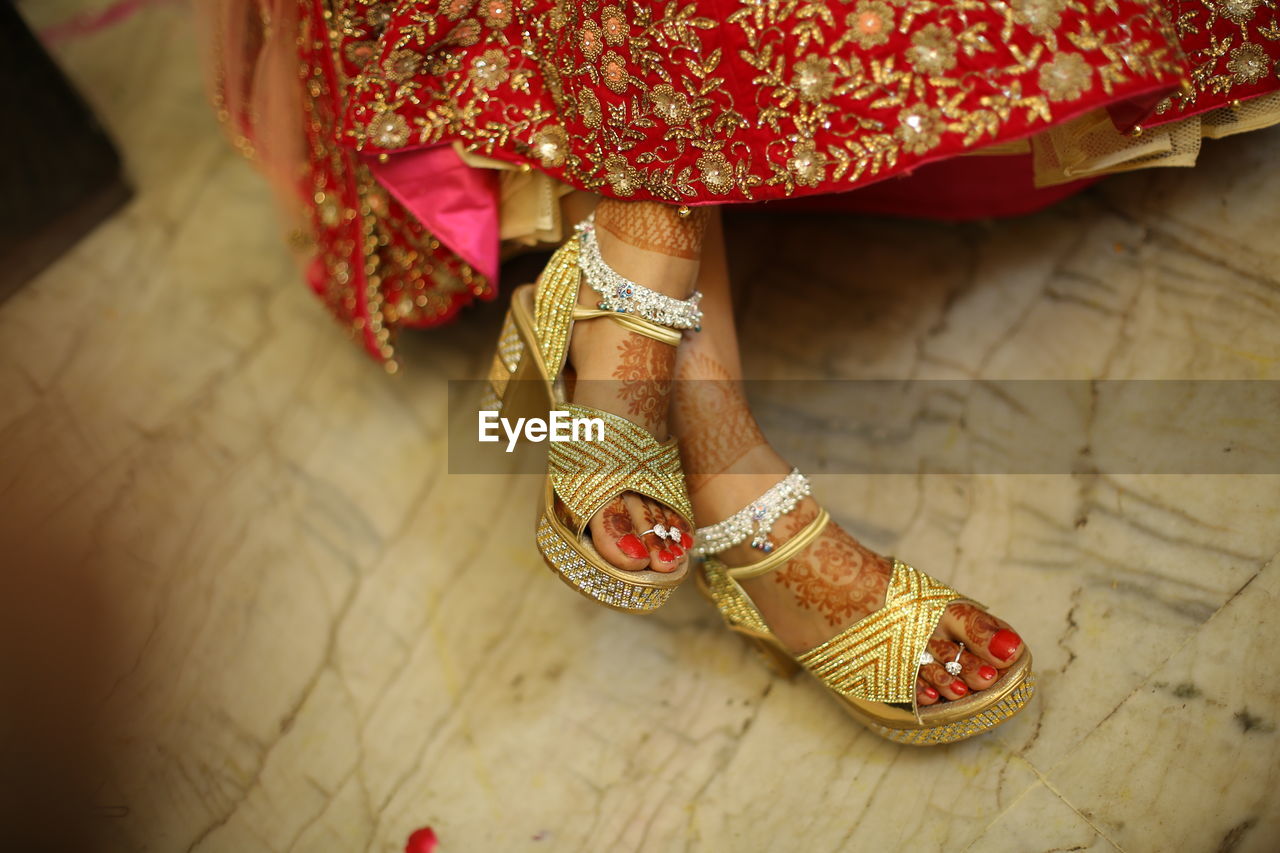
[613, 533]
[647, 514]
[976, 673]
[986, 636]
[950, 686]
[679, 538]
[926, 694]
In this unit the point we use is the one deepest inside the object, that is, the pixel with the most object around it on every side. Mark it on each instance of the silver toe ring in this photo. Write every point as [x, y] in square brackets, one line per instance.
[953, 666]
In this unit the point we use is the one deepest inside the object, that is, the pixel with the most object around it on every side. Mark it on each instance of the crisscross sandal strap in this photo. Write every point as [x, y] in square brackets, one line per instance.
[878, 657]
[586, 475]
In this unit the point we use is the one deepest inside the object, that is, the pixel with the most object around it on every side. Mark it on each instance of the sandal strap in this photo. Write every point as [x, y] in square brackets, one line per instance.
[586, 475]
[785, 552]
[556, 308]
[554, 299]
[878, 657]
[632, 323]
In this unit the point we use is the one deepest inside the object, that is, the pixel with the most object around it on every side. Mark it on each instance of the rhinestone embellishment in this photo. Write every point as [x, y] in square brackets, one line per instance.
[953, 666]
[756, 520]
[625, 296]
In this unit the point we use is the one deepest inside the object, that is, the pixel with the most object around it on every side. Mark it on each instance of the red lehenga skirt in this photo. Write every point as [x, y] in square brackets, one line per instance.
[416, 119]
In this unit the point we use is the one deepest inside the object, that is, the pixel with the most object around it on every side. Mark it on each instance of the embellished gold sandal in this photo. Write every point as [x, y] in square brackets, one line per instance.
[870, 667]
[586, 473]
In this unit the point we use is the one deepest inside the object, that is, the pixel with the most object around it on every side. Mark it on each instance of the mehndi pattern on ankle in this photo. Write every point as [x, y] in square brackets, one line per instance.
[625, 296]
[755, 520]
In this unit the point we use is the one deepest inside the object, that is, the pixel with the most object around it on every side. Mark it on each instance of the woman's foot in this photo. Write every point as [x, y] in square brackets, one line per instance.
[630, 375]
[836, 581]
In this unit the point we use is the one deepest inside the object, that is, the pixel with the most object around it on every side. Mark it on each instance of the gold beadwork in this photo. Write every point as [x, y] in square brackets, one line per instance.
[586, 475]
[877, 658]
[980, 722]
[737, 609]
[833, 102]
[577, 572]
[554, 301]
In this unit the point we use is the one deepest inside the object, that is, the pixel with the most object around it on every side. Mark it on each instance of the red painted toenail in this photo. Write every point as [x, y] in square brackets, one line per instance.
[632, 546]
[666, 556]
[930, 692]
[686, 540]
[1004, 644]
[987, 673]
[677, 550]
[959, 688]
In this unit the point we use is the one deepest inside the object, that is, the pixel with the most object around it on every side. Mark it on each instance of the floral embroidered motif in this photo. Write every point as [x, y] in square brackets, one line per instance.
[933, 50]
[1238, 11]
[919, 129]
[389, 130]
[551, 145]
[1232, 48]
[489, 69]
[870, 23]
[1066, 78]
[590, 40]
[401, 65]
[814, 78]
[1040, 16]
[682, 100]
[1248, 63]
[496, 13]
[613, 24]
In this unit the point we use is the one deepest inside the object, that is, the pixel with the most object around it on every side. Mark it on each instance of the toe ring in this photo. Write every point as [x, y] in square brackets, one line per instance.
[953, 666]
[664, 532]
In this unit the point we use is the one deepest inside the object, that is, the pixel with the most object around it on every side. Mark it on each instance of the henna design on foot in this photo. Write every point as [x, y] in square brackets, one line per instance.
[837, 577]
[717, 426]
[654, 227]
[640, 361]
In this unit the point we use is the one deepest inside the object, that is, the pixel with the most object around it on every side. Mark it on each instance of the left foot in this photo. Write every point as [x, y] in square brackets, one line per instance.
[837, 581]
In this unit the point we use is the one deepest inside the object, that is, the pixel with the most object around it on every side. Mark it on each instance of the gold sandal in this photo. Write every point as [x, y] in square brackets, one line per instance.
[870, 667]
[584, 475]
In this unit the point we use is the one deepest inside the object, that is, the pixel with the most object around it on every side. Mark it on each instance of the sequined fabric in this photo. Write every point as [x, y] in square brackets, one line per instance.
[705, 101]
[1233, 51]
[699, 100]
[374, 265]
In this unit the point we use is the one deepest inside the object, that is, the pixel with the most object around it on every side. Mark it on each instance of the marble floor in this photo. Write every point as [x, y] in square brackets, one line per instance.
[248, 608]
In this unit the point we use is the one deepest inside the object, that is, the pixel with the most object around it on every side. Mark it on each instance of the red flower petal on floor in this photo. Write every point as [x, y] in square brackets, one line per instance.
[422, 841]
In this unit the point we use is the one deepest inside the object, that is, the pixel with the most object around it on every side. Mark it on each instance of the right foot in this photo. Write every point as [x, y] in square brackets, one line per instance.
[629, 375]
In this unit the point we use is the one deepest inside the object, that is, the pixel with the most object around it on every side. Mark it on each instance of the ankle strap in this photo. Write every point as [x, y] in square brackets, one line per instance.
[785, 552]
[632, 323]
[625, 297]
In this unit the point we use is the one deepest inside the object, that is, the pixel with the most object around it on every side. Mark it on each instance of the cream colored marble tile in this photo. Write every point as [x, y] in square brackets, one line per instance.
[1040, 820]
[1191, 760]
[1222, 211]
